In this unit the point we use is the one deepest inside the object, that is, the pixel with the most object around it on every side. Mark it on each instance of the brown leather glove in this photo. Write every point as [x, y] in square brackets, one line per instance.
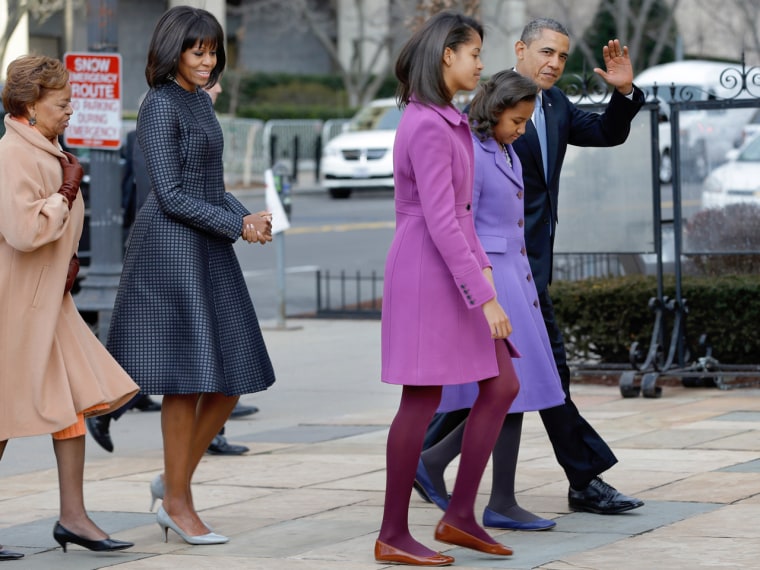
[71, 276]
[72, 176]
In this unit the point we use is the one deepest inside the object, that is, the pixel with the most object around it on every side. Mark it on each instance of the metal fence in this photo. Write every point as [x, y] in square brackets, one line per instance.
[344, 295]
[245, 158]
[355, 295]
[252, 145]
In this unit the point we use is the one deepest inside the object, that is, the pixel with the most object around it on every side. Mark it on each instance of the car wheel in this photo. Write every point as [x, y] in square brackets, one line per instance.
[340, 193]
[666, 168]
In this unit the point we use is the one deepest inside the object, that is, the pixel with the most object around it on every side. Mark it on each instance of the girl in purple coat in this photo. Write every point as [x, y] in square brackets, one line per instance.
[441, 322]
[499, 114]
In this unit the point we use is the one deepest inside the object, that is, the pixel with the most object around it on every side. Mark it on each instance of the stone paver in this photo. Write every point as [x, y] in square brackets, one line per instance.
[309, 494]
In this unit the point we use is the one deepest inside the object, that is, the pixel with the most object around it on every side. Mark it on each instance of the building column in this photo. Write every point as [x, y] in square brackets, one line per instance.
[503, 21]
[18, 44]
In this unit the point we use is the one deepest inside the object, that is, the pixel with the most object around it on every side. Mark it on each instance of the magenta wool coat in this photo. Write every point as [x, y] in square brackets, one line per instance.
[433, 328]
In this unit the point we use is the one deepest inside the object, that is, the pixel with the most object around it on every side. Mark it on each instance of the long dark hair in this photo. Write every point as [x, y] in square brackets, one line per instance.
[179, 29]
[503, 91]
[419, 67]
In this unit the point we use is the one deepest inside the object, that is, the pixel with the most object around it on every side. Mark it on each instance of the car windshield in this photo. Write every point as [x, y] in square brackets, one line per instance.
[751, 152]
[376, 118]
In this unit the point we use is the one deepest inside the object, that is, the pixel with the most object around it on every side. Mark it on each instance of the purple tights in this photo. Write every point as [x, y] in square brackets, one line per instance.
[418, 404]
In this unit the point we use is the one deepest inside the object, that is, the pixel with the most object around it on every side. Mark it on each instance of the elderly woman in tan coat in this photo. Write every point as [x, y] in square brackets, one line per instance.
[53, 370]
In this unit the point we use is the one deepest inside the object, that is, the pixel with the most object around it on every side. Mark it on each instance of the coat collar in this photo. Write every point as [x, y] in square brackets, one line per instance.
[449, 113]
[495, 149]
[32, 136]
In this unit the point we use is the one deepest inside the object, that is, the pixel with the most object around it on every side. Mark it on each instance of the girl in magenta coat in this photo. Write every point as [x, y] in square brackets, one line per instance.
[441, 321]
[498, 115]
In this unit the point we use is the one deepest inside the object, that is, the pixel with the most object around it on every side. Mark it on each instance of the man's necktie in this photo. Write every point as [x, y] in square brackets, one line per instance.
[540, 123]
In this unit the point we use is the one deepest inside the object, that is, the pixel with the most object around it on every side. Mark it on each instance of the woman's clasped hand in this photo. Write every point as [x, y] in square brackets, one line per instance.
[257, 227]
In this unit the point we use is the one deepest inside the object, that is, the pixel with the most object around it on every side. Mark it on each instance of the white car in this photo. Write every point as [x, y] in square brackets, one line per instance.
[362, 156]
[737, 181]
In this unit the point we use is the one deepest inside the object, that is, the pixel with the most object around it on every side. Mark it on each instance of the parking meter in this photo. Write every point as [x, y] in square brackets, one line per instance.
[281, 175]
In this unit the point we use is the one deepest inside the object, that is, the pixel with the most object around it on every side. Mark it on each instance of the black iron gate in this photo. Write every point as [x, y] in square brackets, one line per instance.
[669, 354]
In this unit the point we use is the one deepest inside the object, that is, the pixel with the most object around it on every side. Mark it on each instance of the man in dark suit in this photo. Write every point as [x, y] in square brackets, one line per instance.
[542, 52]
[541, 55]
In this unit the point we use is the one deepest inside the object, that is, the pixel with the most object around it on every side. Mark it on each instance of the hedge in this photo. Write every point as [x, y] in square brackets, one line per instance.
[601, 318]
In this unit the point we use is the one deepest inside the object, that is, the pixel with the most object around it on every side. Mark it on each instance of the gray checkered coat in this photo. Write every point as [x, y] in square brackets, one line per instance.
[183, 321]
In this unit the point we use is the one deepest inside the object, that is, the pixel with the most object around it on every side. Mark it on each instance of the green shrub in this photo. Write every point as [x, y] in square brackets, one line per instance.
[601, 318]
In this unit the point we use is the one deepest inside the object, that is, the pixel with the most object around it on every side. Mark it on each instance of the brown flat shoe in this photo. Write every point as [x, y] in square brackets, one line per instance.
[387, 553]
[444, 532]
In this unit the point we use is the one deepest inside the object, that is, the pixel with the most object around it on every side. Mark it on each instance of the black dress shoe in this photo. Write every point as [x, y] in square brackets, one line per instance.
[99, 430]
[601, 498]
[8, 555]
[220, 446]
[240, 410]
[146, 404]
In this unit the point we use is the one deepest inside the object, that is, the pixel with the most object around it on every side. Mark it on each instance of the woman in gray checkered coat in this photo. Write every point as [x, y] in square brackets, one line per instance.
[183, 324]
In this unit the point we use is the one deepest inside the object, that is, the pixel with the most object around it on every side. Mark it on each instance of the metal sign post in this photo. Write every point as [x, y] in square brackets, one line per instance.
[96, 82]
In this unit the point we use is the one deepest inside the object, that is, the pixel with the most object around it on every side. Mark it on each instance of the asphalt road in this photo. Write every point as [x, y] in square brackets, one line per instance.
[329, 235]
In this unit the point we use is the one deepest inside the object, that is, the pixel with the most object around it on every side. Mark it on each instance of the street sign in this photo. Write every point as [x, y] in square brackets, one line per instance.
[96, 97]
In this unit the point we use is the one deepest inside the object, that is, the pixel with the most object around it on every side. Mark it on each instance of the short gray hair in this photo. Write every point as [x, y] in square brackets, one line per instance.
[533, 29]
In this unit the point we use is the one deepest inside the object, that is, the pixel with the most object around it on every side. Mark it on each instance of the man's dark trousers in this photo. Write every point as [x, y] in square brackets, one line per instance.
[580, 451]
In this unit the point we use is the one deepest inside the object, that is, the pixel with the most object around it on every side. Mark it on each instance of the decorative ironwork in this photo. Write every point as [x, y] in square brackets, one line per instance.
[738, 83]
[585, 88]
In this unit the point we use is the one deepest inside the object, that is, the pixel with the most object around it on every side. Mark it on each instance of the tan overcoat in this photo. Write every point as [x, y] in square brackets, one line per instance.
[51, 364]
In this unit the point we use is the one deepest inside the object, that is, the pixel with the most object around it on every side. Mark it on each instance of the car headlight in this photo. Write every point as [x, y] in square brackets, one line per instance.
[330, 151]
[712, 184]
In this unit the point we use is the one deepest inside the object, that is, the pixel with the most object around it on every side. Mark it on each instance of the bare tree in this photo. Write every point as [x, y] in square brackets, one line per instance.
[736, 24]
[633, 27]
[427, 8]
[368, 63]
[376, 31]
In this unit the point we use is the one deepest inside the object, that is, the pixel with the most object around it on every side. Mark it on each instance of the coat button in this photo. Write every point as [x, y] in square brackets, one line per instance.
[522, 250]
[467, 207]
[520, 222]
[520, 195]
[529, 277]
[535, 303]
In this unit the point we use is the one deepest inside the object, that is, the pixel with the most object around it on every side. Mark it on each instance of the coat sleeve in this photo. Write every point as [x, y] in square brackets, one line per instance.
[234, 205]
[610, 128]
[432, 156]
[30, 214]
[159, 136]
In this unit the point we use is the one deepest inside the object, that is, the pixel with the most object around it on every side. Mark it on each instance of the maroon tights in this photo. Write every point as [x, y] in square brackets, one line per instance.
[418, 404]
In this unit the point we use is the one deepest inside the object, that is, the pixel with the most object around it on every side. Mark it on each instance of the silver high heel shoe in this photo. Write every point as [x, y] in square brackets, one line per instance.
[166, 523]
[156, 490]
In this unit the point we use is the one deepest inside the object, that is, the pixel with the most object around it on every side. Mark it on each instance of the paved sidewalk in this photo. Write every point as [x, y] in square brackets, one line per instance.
[309, 494]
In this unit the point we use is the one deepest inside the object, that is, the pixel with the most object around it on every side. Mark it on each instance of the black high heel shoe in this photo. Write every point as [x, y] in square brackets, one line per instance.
[63, 536]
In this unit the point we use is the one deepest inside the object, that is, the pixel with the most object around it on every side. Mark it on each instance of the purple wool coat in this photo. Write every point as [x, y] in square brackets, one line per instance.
[433, 328]
[498, 204]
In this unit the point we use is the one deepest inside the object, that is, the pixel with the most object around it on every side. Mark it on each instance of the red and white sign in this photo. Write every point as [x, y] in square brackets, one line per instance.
[96, 97]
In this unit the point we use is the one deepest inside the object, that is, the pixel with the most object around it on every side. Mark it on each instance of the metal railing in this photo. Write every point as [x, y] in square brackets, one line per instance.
[344, 295]
[355, 295]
